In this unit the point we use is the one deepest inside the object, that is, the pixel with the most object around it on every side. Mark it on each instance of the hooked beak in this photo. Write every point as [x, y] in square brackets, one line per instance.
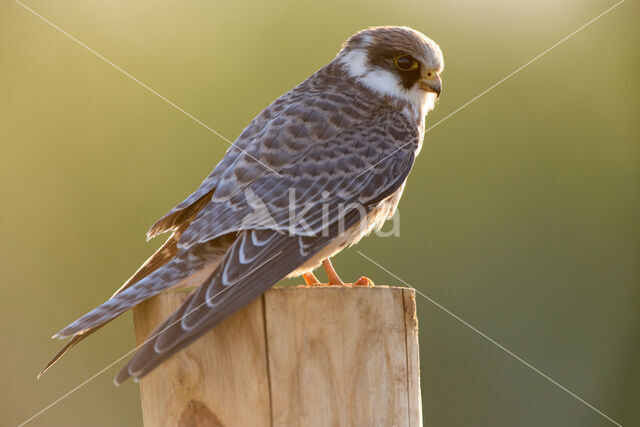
[432, 84]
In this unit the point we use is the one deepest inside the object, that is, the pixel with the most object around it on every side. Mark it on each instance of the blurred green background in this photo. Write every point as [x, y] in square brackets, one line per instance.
[521, 215]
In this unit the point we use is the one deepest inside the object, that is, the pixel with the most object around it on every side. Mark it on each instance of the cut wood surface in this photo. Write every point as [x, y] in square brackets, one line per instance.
[304, 356]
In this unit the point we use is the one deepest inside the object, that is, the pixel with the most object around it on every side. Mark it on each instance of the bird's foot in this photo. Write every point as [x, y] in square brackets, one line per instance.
[363, 281]
[310, 279]
[334, 279]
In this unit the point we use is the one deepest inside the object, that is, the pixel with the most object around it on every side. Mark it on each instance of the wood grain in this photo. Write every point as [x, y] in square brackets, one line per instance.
[219, 380]
[305, 356]
[413, 358]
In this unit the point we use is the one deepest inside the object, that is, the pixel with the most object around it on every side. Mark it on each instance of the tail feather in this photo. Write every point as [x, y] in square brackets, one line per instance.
[256, 261]
[162, 256]
[155, 261]
[164, 269]
[73, 341]
[178, 270]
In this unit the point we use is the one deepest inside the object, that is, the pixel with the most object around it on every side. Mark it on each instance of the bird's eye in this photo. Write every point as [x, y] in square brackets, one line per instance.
[429, 74]
[405, 63]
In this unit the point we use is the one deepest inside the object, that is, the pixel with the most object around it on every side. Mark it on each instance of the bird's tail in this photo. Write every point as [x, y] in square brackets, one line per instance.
[164, 269]
[73, 341]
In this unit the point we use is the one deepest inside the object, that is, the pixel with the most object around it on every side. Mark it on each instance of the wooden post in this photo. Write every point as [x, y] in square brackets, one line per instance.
[305, 356]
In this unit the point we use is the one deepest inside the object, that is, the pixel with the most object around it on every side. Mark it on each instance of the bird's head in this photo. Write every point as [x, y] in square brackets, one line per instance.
[395, 61]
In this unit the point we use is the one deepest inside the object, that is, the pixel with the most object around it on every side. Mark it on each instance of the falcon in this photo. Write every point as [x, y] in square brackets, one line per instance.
[336, 150]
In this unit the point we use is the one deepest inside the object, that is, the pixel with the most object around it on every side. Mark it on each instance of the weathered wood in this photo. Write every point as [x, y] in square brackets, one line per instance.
[305, 356]
[219, 380]
[413, 358]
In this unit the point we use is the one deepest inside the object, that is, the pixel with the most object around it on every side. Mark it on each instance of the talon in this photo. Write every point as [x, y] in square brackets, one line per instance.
[334, 279]
[363, 281]
[310, 279]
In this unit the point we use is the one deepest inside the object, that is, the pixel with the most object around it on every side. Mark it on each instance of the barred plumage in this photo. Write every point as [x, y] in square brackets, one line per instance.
[342, 143]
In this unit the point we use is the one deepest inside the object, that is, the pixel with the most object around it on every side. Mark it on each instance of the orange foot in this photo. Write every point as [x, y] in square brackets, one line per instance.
[363, 281]
[310, 279]
[334, 279]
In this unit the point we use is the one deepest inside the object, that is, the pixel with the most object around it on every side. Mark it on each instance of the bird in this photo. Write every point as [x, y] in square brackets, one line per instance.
[336, 149]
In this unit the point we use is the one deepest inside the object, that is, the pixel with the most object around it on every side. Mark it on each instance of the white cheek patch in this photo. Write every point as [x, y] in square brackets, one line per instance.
[384, 82]
[355, 62]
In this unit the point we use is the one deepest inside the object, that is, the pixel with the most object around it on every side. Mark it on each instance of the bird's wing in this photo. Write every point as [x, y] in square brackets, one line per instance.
[184, 212]
[256, 261]
[367, 165]
[317, 110]
[362, 164]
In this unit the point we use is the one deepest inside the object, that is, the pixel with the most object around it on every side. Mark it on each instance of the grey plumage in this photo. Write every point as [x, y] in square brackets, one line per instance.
[342, 142]
[271, 256]
[183, 264]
